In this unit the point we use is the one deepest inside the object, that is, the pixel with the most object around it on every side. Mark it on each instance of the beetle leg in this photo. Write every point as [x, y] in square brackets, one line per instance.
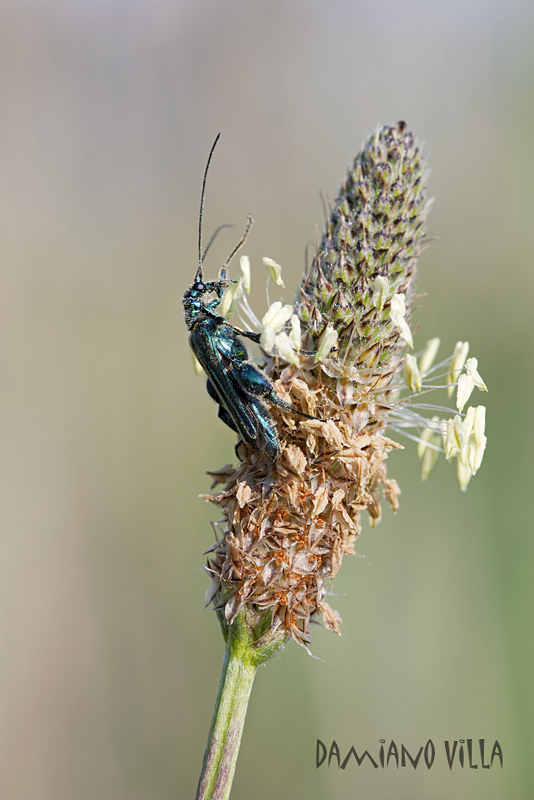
[226, 418]
[254, 337]
[223, 413]
[256, 383]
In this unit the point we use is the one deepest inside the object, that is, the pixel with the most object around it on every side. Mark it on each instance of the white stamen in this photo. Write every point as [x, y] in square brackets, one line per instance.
[422, 446]
[267, 338]
[244, 263]
[381, 291]
[479, 424]
[272, 323]
[465, 388]
[276, 316]
[453, 437]
[471, 366]
[428, 449]
[457, 364]
[429, 461]
[295, 333]
[231, 298]
[284, 347]
[251, 318]
[327, 341]
[275, 271]
[397, 314]
[467, 425]
[412, 376]
[463, 455]
[464, 475]
[428, 356]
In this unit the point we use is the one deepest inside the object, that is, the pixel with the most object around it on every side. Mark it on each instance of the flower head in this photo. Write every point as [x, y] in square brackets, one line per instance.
[340, 354]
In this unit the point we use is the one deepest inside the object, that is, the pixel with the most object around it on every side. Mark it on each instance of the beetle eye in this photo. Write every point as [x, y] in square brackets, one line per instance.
[199, 286]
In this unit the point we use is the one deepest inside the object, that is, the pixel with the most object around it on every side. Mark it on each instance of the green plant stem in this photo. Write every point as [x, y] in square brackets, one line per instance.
[237, 674]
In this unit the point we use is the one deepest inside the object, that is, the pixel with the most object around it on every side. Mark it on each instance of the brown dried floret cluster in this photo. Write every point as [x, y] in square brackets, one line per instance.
[286, 525]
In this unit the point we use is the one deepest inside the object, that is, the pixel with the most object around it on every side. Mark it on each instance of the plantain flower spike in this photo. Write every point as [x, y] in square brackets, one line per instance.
[287, 524]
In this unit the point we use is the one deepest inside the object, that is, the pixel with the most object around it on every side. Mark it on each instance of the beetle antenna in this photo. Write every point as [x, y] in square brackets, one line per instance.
[241, 242]
[216, 233]
[200, 257]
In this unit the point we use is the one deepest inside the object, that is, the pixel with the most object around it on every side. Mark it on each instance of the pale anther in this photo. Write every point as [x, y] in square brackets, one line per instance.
[244, 263]
[275, 271]
[412, 376]
[457, 364]
[465, 388]
[471, 366]
[327, 341]
[381, 291]
[397, 314]
[428, 356]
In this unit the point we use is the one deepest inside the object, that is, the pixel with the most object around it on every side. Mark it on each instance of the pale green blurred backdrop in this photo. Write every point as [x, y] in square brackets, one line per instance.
[108, 667]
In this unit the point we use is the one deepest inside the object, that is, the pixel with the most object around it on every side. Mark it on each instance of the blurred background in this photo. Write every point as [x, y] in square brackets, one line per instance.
[108, 668]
